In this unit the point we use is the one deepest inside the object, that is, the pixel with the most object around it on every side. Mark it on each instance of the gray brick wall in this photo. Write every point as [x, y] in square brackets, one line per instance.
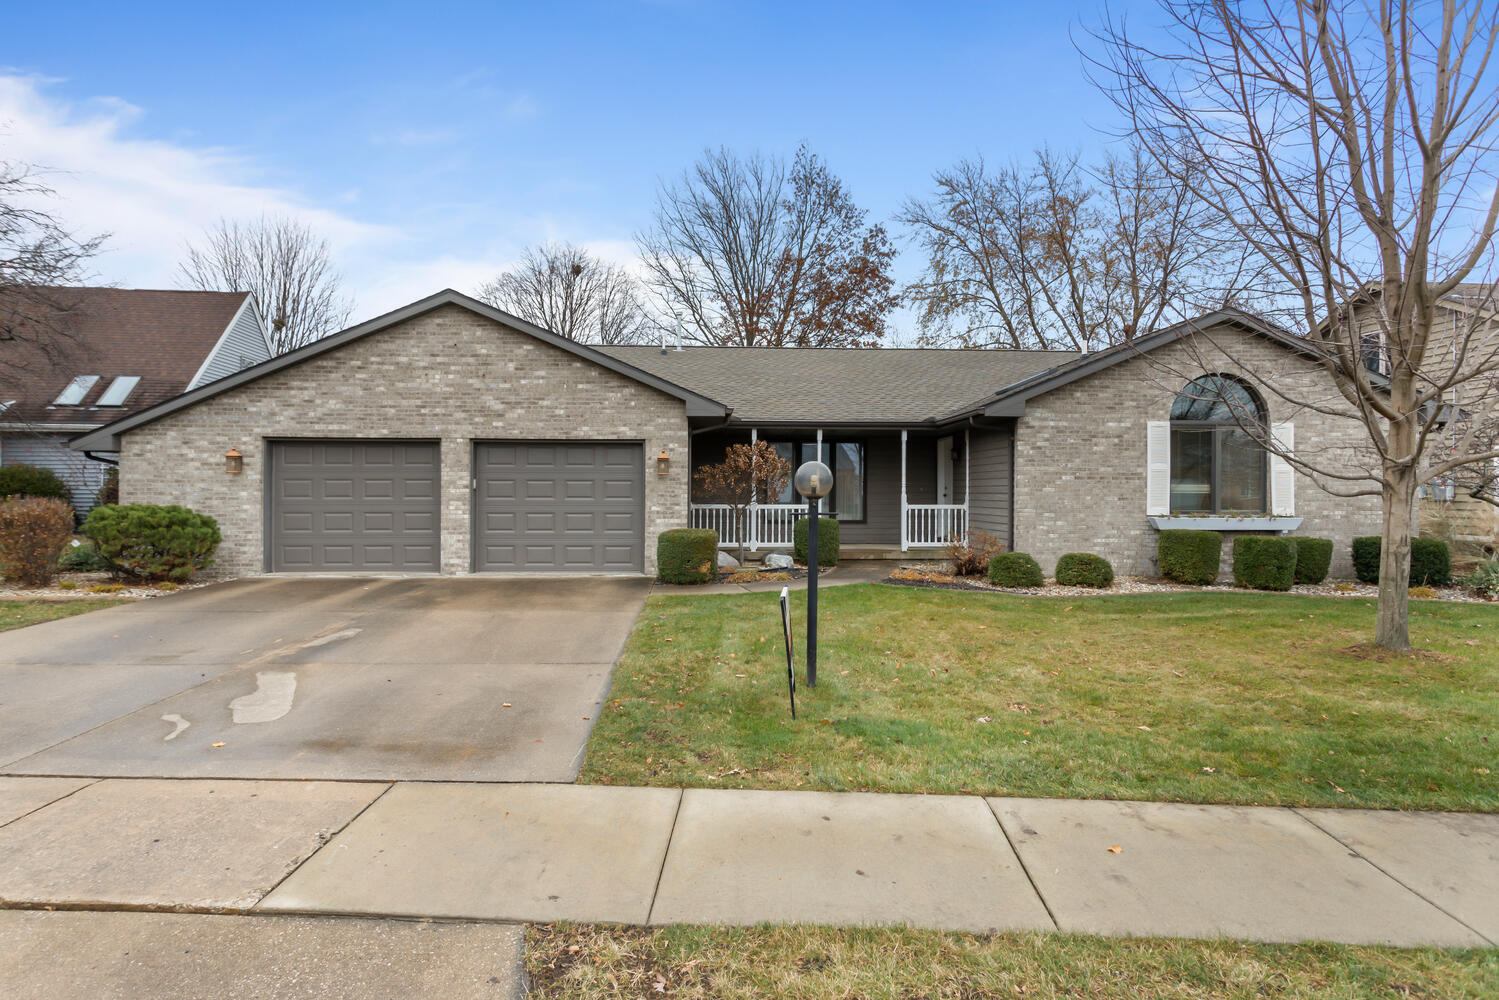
[448, 375]
[1080, 452]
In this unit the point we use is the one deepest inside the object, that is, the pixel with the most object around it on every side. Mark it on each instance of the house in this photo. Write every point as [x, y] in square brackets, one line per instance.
[116, 352]
[450, 437]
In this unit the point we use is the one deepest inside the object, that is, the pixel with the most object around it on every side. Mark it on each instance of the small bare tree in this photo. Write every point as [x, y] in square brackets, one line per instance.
[747, 475]
[565, 289]
[1056, 256]
[753, 253]
[39, 261]
[1351, 147]
[287, 267]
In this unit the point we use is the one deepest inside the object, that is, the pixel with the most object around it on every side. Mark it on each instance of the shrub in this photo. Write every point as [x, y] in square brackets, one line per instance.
[687, 555]
[1484, 580]
[106, 588]
[33, 533]
[827, 541]
[153, 542]
[1431, 562]
[31, 481]
[1189, 556]
[969, 555]
[67, 585]
[1083, 569]
[1015, 569]
[1313, 559]
[1264, 562]
[1421, 593]
[81, 557]
[1366, 558]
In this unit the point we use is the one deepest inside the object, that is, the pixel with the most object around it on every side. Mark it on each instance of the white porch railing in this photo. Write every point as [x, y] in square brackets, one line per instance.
[767, 525]
[929, 525]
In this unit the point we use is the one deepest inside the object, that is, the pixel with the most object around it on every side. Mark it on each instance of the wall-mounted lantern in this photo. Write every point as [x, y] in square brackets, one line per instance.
[234, 462]
[663, 463]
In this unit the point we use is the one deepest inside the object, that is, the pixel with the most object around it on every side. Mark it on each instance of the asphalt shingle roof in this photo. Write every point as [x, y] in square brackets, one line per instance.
[840, 385]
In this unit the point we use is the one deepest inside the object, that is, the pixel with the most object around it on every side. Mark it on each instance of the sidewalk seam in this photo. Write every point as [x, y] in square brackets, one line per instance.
[49, 802]
[1021, 861]
[321, 847]
[1377, 867]
[671, 836]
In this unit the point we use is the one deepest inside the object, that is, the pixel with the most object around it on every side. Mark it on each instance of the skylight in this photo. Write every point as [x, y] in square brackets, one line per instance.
[76, 390]
[119, 390]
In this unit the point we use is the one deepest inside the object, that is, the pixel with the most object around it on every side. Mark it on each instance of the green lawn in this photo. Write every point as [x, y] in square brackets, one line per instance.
[17, 613]
[581, 962]
[1240, 698]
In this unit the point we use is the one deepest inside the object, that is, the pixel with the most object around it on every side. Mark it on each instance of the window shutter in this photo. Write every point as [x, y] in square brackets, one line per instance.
[1158, 468]
[1282, 473]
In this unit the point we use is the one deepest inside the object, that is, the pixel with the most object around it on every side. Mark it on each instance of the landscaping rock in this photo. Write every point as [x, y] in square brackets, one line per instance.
[726, 561]
[779, 560]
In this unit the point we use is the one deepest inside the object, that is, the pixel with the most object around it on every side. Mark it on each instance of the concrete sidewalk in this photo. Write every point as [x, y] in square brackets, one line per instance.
[521, 852]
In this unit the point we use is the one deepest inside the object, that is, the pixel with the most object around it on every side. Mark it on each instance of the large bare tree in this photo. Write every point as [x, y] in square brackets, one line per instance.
[567, 290]
[753, 252]
[39, 261]
[1351, 147]
[1051, 254]
[287, 266]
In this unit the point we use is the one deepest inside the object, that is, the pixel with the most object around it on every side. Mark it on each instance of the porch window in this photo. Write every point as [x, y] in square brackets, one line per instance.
[1217, 467]
[845, 458]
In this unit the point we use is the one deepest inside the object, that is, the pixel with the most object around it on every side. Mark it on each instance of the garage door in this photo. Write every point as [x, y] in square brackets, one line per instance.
[575, 507]
[354, 506]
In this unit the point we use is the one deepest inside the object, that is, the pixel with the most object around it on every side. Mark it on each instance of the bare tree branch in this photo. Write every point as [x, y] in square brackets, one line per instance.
[565, 289]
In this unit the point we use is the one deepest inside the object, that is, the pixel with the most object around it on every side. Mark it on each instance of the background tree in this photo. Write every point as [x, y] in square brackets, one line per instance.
[285, 265]
[1350, 146]
[565, 289]
[748, 474]
[1050, 254]
[753, 253]
[39, 261]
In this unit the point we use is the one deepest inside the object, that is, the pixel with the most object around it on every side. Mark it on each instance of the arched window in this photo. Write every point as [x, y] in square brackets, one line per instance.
[1217, 466]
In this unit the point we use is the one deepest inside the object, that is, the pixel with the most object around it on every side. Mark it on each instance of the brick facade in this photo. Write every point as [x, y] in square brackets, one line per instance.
[448, 375]
[1080, 452]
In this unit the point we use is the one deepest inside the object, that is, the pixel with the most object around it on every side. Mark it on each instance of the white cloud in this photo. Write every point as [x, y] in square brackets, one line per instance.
[151, 196]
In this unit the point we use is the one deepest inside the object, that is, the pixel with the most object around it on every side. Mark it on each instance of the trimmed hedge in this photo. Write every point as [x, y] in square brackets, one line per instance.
[827, 541]
[33, 533]
[153, 542]
[33, 481]
[687, 555]
[1015, 569]
[1313, 559]
[1264, 562]
[1083, 569]
[1189, 556]
[1431, 561]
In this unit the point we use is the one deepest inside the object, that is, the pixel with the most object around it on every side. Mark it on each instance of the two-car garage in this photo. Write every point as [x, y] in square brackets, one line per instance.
[340, 506]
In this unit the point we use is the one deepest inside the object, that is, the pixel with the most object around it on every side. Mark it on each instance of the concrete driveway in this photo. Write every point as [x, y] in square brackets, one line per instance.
[401, 679]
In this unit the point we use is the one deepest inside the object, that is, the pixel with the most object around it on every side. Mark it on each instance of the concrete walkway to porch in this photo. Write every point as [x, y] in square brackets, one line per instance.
[845, 573]
[542, 852]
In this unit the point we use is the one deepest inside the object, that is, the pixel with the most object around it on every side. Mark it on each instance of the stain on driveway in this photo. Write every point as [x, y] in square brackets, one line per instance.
[471, 679]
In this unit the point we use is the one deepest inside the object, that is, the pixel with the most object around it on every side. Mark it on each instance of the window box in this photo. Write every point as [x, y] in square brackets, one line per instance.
[1226, 522]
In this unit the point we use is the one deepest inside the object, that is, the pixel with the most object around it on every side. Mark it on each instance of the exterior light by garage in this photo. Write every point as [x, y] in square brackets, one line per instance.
[234, 462]
[663, 463]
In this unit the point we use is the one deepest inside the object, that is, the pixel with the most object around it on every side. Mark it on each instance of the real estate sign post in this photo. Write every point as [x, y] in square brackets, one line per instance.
[786, 634]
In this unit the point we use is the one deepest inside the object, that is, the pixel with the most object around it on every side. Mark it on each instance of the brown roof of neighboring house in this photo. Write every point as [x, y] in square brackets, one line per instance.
[161, 336]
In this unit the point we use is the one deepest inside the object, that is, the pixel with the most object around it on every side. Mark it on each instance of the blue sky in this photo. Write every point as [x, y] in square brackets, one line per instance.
[432, 142]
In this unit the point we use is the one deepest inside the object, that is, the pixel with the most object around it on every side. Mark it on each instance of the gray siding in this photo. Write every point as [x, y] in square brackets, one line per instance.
[242, 345]
[83, 475]
[989, 510]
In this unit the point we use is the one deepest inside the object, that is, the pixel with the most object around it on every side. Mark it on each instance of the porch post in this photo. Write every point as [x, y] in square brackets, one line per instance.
[967, 468]
[905, 542]
[750, 514]
[820, 507]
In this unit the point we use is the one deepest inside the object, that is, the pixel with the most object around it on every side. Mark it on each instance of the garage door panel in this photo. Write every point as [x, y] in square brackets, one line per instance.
[568, 507]
[350, 506]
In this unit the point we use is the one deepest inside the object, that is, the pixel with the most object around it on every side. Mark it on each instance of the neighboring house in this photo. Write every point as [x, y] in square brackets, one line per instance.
[450, 437]
[124, 350]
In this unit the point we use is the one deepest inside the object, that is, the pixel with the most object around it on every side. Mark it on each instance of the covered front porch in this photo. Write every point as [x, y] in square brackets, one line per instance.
[894, 490]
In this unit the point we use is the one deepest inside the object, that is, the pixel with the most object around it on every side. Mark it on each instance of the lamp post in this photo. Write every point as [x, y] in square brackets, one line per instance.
[813, 481]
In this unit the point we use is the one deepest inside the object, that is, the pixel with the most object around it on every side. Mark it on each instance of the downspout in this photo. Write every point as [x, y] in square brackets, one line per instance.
[101, 459]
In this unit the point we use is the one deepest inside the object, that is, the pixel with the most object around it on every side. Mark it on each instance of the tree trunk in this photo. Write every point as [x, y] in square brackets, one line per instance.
[1393, 628]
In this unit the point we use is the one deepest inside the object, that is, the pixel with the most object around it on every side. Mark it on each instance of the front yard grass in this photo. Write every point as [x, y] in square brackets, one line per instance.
[18, 613]
[584, 962]
[1233, 698]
